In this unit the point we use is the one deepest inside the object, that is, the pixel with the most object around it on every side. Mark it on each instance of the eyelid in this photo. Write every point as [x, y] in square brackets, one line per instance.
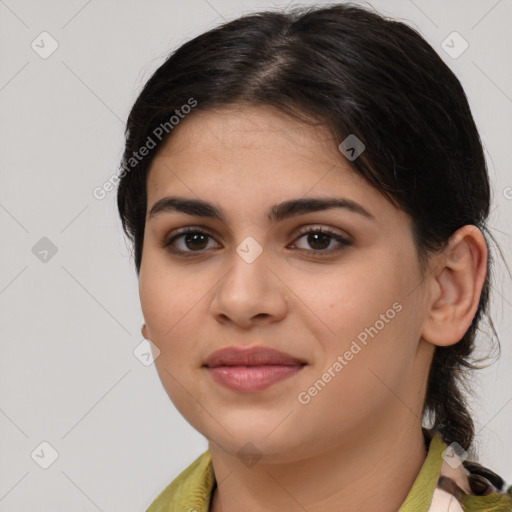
[307, 228]
[174, 234]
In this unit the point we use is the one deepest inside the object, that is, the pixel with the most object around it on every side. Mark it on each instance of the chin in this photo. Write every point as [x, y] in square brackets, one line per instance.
[264, 451]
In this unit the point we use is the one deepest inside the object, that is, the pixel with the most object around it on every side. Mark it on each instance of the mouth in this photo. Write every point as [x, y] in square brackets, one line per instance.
[251, 356]
[251, 369]
[251, 379]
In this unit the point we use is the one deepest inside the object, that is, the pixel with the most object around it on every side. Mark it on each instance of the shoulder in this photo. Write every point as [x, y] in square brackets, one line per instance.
[466, 485]
[191, 489]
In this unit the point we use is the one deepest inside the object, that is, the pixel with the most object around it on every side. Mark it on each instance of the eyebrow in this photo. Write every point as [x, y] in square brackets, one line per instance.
[278, 212]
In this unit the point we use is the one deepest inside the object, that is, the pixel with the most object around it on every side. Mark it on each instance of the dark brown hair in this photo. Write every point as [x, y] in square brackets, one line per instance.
[358, 73]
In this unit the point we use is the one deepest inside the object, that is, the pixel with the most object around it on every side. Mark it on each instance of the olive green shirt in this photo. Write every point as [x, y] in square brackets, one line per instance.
[440, 486]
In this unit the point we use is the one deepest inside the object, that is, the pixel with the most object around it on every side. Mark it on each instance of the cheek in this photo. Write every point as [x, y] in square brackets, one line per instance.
[166, 299]
[366, 311]
[350, 298]
[171, 308]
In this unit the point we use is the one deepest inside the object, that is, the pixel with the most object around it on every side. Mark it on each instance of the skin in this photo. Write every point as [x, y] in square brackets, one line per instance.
[360, 437]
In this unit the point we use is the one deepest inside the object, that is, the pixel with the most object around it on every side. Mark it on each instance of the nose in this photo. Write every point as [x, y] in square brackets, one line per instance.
[250, 292]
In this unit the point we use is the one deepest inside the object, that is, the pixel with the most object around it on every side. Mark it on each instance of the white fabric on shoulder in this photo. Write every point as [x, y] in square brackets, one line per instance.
[443, 501]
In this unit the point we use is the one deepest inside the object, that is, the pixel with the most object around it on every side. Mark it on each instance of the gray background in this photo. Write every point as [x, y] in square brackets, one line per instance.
[70, 323]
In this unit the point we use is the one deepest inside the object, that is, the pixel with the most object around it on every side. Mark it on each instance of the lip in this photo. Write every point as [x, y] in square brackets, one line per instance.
[251, 356]
[251, 369]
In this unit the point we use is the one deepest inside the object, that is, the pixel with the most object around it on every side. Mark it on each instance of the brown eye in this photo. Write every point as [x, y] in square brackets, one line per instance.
[320, 239]
[195, 240]
[192, 240]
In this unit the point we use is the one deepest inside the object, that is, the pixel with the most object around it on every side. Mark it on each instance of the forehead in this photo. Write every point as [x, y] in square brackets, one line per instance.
[245, 157]
[243, 124]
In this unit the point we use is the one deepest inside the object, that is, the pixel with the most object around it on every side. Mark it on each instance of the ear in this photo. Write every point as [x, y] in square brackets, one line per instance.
[144, 332]
[455, 287]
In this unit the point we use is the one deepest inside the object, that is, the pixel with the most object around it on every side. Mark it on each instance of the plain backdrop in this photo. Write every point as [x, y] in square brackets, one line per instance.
[75, 394]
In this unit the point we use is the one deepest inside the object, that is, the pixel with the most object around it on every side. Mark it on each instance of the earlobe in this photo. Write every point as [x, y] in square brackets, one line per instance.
[144, 332]
[456, 287]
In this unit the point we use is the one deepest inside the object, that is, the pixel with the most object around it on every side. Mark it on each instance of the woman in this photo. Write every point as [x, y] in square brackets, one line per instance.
[307, 194]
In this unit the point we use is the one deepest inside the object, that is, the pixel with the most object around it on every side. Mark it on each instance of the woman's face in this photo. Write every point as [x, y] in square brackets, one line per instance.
[351, 311]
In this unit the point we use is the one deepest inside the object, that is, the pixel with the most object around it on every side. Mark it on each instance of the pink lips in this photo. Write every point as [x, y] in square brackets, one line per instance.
[251, 369]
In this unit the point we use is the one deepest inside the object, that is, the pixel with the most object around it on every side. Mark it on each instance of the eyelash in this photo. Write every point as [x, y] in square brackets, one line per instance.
[167, 243]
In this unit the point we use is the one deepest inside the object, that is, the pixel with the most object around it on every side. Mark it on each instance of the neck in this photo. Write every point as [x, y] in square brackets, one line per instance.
[372, 470]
